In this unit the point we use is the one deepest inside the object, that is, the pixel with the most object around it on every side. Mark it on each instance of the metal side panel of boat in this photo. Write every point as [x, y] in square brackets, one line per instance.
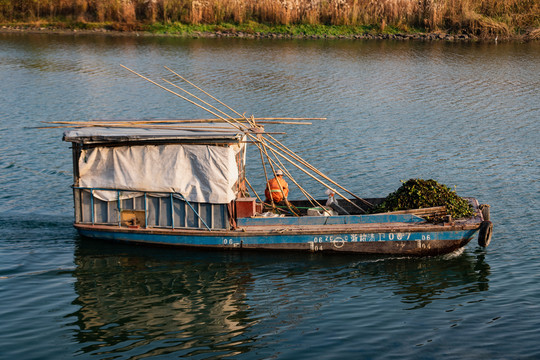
[384, 242]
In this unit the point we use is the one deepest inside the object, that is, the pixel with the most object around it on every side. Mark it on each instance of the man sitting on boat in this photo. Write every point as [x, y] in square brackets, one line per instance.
[277, 188]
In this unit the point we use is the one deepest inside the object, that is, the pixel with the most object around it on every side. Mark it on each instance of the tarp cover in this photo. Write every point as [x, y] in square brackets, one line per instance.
[203, 131]
[201, 173]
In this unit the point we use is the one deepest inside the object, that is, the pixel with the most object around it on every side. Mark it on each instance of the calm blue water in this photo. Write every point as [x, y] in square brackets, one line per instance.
[467, 115]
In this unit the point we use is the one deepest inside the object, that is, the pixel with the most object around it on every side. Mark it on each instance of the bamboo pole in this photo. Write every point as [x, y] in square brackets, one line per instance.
[283, 168]
[320, 181]
[171, 127]
[266, 177]
[298, 158]
[311, 167]
[210, 119]
[159, 126]
[279, 184]
[173, 92]
[240, 126]
[250, 121]
[308, 196]
[198, 88]
[227, 106]
[305, 171]
[291, 118]
[180, 121]
[291, 153]
[283, 122]
[196, 97]
[261, 141]
[311, 175]
[252, 189]
[248, 134]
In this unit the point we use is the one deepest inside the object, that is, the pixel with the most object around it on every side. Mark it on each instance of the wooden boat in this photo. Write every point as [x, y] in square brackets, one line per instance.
[167, 183]
[186, 187]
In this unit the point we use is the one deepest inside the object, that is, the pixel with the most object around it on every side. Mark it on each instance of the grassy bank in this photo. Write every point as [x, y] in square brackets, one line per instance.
[478, 18]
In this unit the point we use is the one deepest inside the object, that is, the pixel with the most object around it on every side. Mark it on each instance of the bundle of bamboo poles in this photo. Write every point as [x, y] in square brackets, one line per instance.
[271, 150]
[150, 122]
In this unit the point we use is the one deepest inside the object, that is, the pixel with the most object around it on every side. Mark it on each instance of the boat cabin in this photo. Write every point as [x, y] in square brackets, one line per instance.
[157, 177]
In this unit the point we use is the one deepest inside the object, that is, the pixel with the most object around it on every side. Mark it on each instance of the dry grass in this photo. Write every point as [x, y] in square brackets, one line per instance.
[481, 17]
[534, 34]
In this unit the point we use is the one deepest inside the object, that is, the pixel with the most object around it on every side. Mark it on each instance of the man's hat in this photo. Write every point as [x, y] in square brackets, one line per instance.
[279, 172]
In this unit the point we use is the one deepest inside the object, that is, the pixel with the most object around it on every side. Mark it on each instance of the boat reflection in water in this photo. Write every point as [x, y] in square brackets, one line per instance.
[422, 282]
[154, 301]
[141, 301]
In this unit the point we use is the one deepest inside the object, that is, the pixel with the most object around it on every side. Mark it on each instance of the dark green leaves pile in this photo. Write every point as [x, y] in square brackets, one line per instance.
[418, 193]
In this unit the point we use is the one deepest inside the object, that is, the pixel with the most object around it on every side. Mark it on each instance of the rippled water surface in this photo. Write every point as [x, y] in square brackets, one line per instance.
[467, 115]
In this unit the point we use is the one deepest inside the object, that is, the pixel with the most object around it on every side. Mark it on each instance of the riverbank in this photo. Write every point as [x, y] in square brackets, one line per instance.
[259, 31]
[350, 19]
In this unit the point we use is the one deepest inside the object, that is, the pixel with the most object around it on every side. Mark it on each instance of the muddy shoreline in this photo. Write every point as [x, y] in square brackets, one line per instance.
[434, 36]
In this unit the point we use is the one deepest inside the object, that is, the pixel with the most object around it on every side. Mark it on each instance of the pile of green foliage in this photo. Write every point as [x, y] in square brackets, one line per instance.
[418, 193]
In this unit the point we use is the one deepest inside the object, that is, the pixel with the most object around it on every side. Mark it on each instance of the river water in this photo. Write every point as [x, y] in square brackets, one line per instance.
[465, 114]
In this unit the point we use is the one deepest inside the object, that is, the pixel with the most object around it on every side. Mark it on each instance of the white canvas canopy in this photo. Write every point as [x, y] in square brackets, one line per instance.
[205, 173]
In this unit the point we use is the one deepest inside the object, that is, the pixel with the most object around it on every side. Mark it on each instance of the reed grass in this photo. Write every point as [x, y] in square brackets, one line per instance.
[478, 17]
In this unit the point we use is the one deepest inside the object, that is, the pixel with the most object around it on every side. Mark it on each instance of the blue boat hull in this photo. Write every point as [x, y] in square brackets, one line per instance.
[434, 240]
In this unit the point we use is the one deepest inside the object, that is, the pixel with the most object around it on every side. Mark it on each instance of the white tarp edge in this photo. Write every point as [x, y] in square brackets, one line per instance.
[201, 173]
